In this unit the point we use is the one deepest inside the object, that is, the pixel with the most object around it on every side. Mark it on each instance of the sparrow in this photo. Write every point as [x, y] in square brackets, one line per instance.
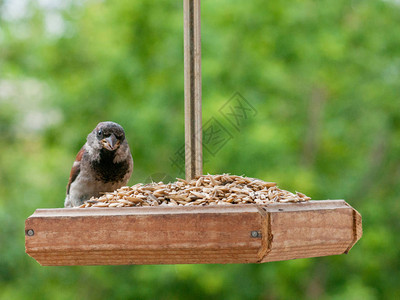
[103, 164]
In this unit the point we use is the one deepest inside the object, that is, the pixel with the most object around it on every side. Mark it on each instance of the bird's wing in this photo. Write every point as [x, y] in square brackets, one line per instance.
[76, 168]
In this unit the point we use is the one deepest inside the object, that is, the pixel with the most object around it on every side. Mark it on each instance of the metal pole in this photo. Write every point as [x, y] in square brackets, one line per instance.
[192, 66]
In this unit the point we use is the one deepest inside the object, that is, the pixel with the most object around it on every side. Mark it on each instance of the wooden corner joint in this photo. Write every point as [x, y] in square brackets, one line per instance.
[266, 233]
[313, 229]
[357, 229]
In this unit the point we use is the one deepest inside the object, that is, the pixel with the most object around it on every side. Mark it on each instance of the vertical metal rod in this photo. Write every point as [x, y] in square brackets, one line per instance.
[192, 66]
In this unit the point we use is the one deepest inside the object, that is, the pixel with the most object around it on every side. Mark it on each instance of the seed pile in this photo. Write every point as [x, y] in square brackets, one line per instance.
[222, 189]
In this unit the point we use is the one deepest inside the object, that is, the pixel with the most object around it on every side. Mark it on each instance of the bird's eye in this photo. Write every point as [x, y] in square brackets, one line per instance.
[99, 132]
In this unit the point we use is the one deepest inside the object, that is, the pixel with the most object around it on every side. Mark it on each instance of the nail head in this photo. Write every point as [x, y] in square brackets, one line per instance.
[255, 234]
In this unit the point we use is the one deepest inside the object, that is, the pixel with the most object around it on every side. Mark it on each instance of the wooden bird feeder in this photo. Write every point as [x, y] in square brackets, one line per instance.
[246, 233]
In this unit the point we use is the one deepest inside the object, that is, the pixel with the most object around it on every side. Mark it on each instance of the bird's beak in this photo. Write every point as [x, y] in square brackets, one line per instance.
[111, 143]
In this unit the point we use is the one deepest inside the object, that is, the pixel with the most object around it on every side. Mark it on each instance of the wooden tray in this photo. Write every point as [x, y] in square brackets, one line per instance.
[191, 235]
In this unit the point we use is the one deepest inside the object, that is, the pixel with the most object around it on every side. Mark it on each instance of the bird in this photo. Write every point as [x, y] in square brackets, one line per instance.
[103, 164]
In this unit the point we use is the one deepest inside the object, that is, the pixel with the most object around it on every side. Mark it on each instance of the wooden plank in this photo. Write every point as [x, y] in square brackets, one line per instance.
[152, 235]
[175, 235]
[192, 75]
[311, 229]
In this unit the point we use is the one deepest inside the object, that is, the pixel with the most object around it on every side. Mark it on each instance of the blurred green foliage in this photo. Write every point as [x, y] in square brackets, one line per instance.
[324, 77]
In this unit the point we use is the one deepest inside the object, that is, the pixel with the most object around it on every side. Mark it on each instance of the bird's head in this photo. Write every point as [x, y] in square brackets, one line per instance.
[107, 135]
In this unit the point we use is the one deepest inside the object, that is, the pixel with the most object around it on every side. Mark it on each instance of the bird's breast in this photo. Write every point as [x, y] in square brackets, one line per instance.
[106, 170]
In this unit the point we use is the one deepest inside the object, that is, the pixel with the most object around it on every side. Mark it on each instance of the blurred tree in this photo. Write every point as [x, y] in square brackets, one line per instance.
[323, 77]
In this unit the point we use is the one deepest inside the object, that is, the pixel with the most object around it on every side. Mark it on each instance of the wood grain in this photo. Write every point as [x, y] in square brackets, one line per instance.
[309, 230]
[144, 235]
[192, 75]
[182, 235]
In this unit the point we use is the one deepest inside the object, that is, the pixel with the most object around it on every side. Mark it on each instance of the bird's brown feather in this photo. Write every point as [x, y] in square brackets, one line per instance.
[76, 168]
